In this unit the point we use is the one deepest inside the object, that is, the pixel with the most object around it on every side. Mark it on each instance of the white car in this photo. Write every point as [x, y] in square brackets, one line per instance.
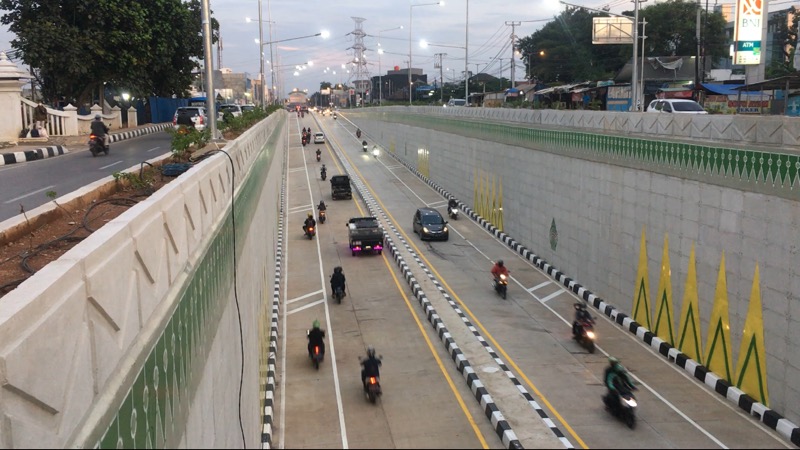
[319, 138]
[235, 110]
[675, 106]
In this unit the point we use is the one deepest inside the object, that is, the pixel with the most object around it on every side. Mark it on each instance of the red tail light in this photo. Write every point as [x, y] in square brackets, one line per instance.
[316, 350]
[91, 136]
[373, 380]
[175, 120]
[200, 120]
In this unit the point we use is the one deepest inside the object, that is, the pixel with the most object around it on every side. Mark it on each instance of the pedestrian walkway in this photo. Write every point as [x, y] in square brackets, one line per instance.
[58, 145]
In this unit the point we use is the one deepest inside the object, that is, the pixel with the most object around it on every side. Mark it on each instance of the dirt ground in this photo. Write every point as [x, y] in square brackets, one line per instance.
[21, 258]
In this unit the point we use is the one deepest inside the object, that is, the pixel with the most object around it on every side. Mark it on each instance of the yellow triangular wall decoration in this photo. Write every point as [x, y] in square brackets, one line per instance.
[689, 341]
[718, 342]
[751, 369]
[664, 323]
[641, 302]
[476, 197]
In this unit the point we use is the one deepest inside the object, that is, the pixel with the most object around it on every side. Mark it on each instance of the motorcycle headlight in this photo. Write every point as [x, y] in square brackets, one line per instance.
[590, 334]
[503, 277]
[630, 402]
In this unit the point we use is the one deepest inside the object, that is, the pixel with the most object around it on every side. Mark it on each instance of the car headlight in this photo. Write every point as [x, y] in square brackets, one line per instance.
[444, 230]
[425, 230]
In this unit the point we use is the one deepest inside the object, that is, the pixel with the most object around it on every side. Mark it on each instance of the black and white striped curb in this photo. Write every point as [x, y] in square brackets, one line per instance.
[493, 413]
[269, 387]
[32, 155]
[769, 417]
[116, 137]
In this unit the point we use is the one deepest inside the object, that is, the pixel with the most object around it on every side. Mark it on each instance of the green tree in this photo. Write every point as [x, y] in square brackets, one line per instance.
[77, 46]
[562, 50]
[672, 30]
[782, 62]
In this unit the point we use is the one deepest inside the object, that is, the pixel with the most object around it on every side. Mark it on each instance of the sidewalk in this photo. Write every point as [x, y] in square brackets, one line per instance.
[59, 145]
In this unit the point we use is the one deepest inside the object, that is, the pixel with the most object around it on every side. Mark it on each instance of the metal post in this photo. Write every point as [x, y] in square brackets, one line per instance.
[261, 53]
[634, 66]
[273, 94]
[410, 12]
[466, 59]
[211, 98]
[641, 79]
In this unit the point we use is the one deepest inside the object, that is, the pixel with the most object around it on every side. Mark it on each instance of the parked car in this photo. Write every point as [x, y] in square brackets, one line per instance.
[319, 138]
[456, 102]
[675, 106]
[430, 224]
[235, 110]
[248, 107]
[190, 116]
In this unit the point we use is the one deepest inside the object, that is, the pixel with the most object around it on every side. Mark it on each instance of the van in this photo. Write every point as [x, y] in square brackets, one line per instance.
[456, 102]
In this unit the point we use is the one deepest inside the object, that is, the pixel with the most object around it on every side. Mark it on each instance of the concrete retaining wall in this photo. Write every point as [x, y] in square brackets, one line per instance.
[601, 200]
[110, 344]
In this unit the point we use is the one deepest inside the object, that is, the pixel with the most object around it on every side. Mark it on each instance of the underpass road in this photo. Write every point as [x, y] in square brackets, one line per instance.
[530, 331]
[28, 183]
[425, 404]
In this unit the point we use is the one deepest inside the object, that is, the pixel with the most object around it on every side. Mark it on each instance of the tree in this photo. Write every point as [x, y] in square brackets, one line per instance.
[77, 46]
[783, 58]
[562, 50]
[672, 30]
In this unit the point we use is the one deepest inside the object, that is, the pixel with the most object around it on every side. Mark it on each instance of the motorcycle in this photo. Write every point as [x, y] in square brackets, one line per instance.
[317, 354]
[310, 232]
[358, 134]
[96, 145]
[501, 285]
[625, 409]
[373, 388]
[323, 174]
[338, 294]
[364, 145]
[319, 156]
[322, 216]
[453, 212]
[586, 336]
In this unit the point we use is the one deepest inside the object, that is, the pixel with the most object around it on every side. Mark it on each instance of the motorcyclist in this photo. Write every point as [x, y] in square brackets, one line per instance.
[322, 206]
[100, 129]
[498, 269]
[358, 132]
[323, 171]
[309, 222]
[452, 204]
[315, 339]
[616, 378]
[364, 145]
[581, 314]
[338, 280]
[319, 154]
[371, 367]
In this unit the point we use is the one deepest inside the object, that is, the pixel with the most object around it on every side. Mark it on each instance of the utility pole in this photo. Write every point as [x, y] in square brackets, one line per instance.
[513, 48]
[437, 64]
[635, 69]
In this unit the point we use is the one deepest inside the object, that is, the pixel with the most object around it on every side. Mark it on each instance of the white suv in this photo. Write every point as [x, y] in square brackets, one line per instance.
[675, 106]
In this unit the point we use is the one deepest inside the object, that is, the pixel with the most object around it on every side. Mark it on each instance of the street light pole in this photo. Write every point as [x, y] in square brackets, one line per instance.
[380, 70]
[410, 11]
[466, 59]
[211, 105]
[261, 53]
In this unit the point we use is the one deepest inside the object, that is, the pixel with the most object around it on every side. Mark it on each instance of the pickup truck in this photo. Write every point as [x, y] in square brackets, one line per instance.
[365, 233]
[340, 187]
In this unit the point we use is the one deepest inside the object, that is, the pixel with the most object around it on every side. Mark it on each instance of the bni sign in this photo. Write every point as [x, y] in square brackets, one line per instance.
[747, 34]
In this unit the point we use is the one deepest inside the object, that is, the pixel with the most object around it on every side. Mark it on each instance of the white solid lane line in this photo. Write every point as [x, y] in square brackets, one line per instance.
[110, 165]
[28, 194]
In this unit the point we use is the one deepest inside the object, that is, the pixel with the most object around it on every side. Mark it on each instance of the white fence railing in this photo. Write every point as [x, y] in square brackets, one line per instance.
[69, 123]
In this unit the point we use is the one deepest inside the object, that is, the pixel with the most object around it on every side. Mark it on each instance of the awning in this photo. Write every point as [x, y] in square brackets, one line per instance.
[784, 82]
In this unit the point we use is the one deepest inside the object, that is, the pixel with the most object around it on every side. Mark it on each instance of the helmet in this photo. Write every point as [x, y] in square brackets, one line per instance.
[310, 215]
[500, 262]
[371, 351]
[337, 269]
[315, 324]
[98, 117]
[613, 362]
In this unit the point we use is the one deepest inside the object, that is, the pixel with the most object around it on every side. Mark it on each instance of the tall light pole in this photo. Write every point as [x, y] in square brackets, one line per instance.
[211, 99]
[261, 53]
[410, 11]
[466, 59]
[380, 71]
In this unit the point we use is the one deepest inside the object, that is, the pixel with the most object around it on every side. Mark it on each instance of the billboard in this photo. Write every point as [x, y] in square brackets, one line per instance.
[747, 34]
[612, 30]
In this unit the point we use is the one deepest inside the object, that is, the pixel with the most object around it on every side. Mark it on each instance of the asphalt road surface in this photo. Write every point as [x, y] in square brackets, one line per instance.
[27, 183]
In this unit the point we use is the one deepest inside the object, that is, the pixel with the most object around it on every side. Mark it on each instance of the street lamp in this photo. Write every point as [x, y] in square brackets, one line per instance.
[380, 71]
[410, 11]
[324, 35]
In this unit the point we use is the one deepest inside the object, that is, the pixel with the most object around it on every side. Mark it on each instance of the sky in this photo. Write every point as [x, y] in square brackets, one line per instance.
[443, 26]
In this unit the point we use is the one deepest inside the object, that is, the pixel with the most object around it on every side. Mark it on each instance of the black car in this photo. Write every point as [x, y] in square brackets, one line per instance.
[430, 224]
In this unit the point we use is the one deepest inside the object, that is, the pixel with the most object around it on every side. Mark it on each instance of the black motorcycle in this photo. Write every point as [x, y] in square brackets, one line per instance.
[625, 408]
[322, 216]
[317, 353]
[501, 285]
[585, 335]
[364, 145]
[373, 385]
[453, 212]
[358, 134]
[323, 174]
[319, 156]
[96, 145]
[310, 232]
[338, 295]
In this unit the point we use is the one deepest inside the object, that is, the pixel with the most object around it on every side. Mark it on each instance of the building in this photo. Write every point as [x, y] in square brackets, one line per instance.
[395, 83]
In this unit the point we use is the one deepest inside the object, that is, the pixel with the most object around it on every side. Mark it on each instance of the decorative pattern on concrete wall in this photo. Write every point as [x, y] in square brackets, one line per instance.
[772, 170]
